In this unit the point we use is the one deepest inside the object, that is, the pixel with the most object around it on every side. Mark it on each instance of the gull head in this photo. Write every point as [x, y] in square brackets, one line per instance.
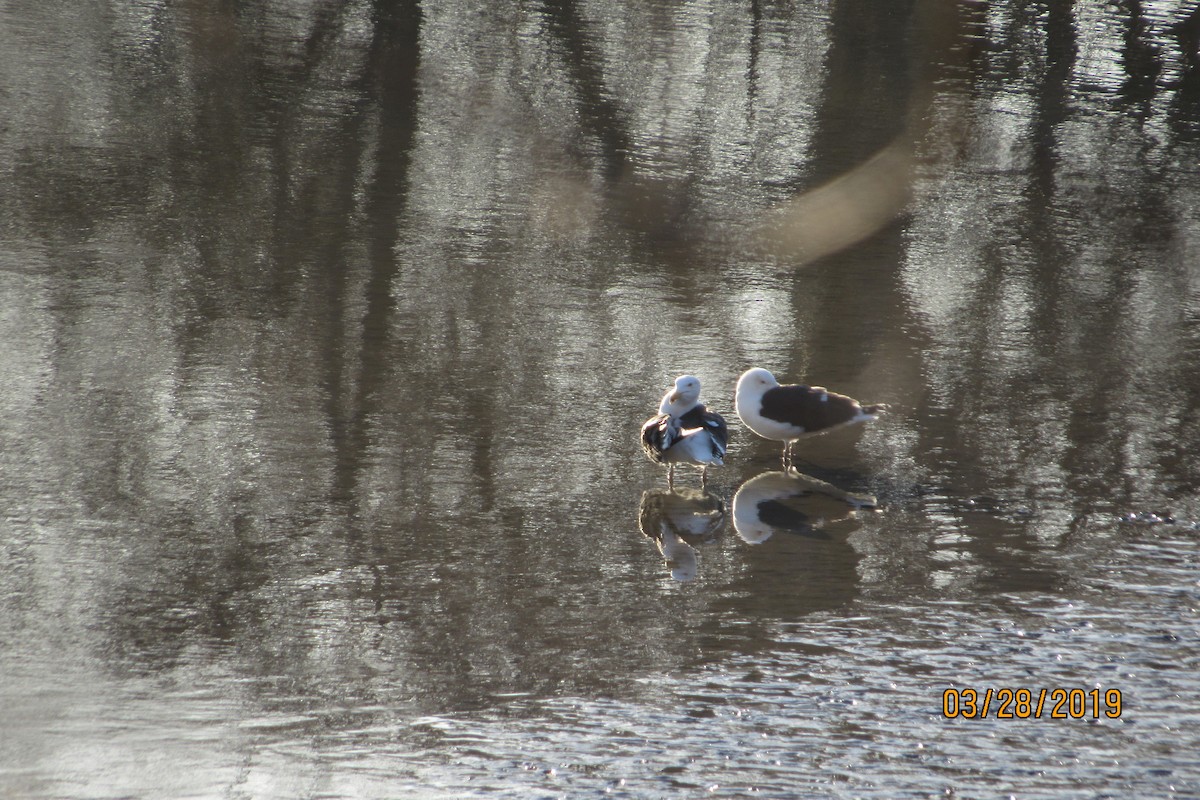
[756, 380]
[680, 399]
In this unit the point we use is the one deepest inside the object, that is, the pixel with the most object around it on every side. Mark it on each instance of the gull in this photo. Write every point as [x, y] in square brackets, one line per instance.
[685, 431]
[790, 412]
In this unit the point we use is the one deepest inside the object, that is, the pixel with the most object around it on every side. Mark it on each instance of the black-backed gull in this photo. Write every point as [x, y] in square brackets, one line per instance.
[684, 431]
[790, 412]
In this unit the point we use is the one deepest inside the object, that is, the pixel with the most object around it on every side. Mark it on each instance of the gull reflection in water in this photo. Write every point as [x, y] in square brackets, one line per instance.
[678, 521]
[792, 502]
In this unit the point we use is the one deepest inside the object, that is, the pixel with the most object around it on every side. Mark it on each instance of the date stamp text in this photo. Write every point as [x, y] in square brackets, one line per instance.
[1031, 703]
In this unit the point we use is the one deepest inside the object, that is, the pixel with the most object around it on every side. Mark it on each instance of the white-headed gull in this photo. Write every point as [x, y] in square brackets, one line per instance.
[790, 412]
[684, 431]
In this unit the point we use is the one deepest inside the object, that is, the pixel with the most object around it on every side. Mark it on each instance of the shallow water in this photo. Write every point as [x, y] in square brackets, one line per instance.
[330, 328]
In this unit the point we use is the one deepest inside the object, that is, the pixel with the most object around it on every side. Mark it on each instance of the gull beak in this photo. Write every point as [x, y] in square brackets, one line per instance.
[674, 396]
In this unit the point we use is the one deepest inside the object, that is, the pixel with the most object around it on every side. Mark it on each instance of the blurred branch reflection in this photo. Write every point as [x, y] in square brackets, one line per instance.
[844, 211]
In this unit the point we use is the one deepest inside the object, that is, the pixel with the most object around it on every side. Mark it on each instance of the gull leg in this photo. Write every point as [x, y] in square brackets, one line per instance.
[704, 476]
[671, 478]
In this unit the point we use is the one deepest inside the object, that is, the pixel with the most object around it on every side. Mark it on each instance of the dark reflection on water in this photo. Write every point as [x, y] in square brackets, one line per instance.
[329, 327]
[679, 521]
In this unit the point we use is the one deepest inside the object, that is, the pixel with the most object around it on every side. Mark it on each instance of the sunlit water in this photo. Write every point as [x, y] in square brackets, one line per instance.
[328, 331]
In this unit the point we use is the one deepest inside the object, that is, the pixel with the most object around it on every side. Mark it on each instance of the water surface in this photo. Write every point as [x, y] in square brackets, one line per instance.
[329, 328]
